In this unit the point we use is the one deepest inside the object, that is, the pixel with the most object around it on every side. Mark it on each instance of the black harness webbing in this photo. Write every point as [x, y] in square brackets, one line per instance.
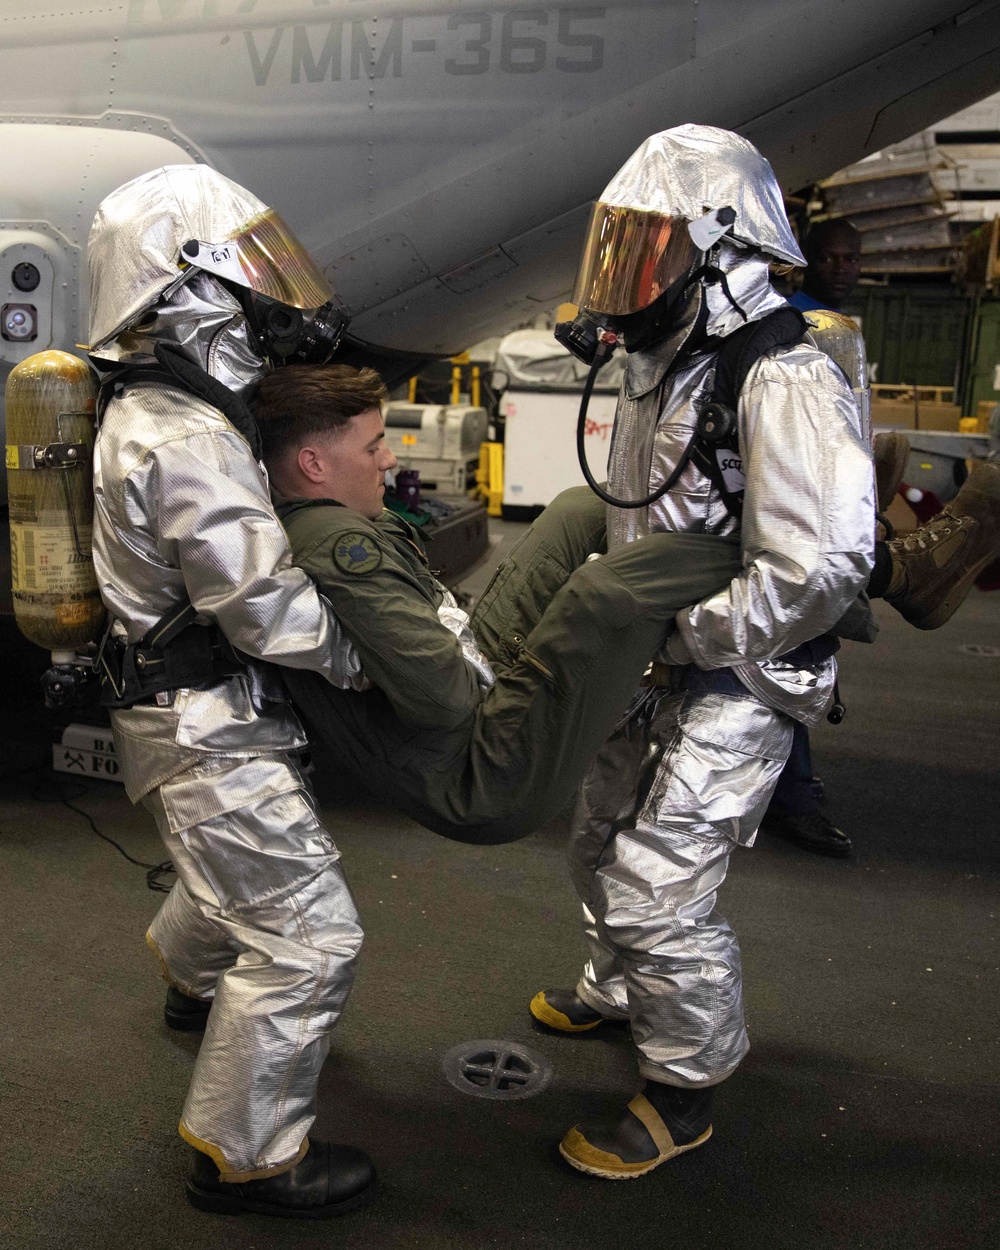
[175, 370]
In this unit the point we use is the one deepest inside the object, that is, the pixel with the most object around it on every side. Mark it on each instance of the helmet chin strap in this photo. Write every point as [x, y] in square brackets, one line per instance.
[643, 329]
[244, 297]
[712, 274]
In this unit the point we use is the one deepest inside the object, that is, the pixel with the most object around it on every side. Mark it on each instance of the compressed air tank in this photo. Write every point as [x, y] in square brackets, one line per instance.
[838, 336]
[50, 401]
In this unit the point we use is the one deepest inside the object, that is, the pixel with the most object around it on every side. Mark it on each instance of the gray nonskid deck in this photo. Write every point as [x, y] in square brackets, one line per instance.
[865, 1116]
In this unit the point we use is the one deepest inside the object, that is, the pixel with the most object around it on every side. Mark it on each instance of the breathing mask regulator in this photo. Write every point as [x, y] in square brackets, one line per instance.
[288, 335]
[635, 269]
[283, 332]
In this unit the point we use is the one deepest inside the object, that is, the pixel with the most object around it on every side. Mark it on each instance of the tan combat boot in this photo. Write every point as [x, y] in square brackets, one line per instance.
[933, 568]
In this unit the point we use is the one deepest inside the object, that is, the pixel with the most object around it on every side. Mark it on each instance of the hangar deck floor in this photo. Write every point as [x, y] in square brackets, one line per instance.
[867, 1114]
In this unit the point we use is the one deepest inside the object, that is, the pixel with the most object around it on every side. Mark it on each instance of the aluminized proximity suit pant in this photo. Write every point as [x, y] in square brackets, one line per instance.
[684, 780]
[263, 920]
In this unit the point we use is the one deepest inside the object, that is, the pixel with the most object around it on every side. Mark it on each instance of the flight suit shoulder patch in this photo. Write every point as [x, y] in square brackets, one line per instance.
[357, 553]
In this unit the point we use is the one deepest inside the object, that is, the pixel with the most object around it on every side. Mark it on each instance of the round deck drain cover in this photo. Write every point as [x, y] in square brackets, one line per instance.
[982, 649]
[495, 1069]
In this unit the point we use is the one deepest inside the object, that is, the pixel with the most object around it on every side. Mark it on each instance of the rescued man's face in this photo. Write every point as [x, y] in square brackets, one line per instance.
[357, 460]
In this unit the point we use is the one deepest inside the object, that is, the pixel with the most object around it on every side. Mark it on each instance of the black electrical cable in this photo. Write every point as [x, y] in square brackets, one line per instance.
[46, 776]
[154, 872]
[602, 356]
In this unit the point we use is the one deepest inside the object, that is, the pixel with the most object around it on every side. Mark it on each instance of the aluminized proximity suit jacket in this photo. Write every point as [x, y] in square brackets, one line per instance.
[688, 774]
[261, 919]
[183, 511]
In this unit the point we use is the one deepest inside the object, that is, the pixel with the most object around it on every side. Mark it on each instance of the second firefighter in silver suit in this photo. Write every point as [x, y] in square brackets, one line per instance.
[261, 925]
[687, 776]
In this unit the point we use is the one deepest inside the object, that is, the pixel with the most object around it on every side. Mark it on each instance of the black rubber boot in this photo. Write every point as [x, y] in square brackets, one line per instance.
[658, 1124]
[184, 1013]
[564, 1011]
[328, 1180]
[687, 1113]
[811, 831]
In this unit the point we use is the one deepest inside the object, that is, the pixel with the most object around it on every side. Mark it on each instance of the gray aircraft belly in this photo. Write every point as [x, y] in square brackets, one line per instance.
[439, 160]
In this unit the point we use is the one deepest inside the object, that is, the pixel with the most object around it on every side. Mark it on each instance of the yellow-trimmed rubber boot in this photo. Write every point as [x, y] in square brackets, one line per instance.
[658, 1124]
[187, 1014]
[327, 1180]
[565, 1011]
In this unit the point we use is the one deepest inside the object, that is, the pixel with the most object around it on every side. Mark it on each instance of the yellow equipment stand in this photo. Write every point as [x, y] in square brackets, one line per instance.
[489, 477]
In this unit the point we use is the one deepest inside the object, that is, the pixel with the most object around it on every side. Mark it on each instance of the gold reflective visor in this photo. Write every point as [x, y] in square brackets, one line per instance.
[630, 258]
[277, 265]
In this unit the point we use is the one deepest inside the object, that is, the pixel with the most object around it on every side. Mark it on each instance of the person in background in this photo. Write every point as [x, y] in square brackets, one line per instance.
[833, 265]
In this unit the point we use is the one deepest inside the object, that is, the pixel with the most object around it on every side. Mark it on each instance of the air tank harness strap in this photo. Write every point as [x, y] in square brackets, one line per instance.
[174, 369]
[714, 446]
[177, 652]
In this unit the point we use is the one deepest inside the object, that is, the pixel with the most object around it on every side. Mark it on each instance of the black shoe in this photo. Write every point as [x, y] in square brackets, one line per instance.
[184, 1013]
[811, 831]
[564, 1011]
[328, 1180]
[658, 1124]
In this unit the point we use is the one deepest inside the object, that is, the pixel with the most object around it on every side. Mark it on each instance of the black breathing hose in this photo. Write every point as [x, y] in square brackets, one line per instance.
[605, 347]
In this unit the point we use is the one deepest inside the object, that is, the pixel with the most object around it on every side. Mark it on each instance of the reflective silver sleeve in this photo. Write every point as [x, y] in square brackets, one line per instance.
[807, 528]
[453, 618]
[205, 499]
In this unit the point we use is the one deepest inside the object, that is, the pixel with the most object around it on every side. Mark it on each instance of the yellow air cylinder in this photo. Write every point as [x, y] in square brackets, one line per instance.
[50, 441]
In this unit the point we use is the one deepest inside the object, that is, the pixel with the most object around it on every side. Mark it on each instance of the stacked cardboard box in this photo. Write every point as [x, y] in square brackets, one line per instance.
[915, 407]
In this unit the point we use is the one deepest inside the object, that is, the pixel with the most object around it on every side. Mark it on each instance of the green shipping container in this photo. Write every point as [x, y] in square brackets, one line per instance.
[914, 333]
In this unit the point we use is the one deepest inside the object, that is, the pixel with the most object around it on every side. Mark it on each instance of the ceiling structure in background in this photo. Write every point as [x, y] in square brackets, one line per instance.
[916, 202]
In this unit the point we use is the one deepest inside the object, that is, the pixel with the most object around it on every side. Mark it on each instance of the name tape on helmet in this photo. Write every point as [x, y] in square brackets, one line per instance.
[220, 259]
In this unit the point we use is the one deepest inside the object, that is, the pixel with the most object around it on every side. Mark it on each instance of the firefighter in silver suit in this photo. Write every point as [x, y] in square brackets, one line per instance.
[677, 259]
[196, 288]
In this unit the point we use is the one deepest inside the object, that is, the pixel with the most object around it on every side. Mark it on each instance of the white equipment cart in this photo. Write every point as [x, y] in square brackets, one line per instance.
[541, 384]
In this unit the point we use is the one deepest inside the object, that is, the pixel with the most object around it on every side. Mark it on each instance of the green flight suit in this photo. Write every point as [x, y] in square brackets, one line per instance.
[569, 640]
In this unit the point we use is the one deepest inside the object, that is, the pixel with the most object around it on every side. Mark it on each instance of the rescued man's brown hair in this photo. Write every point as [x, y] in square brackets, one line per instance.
[297, 401]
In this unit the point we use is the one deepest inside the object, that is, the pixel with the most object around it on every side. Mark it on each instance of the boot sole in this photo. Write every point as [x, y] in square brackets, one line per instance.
[896, 467]
[640, 1169]
[831, 852]
[220, 1204]
[185, 1023]
[956, 597]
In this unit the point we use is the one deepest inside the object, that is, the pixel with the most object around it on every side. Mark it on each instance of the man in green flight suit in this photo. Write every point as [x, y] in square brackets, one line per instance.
[480, 730]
